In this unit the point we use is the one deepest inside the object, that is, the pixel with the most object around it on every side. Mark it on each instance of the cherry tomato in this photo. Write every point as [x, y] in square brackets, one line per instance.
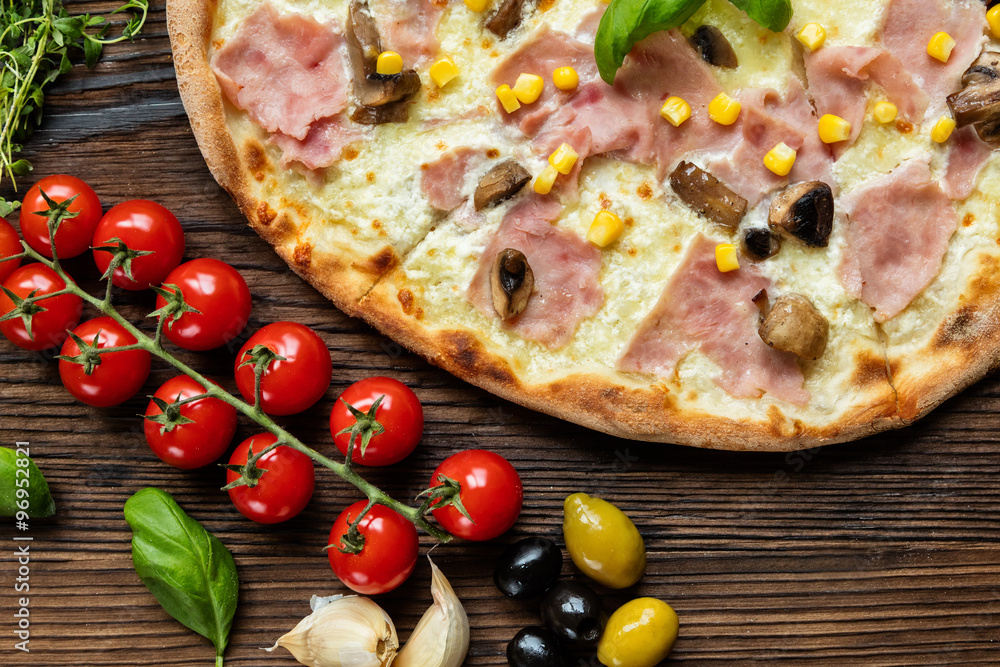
[75, 234]
[400, 413]
[196, 443]
[222, 298]
[142, 225]
[48, 327]
[293, 384]
[491, 493]
[389, 554]
[282, 492]
[10, 245]
[118, 377]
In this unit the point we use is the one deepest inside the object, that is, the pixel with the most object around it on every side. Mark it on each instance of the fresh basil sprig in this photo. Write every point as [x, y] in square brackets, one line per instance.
[627, 22]
[20, 481]
[188, 570]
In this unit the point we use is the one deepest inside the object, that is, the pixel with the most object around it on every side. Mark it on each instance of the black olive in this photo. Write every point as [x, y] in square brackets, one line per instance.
[760, 243]
[536, 647]
[574, 612]
[528, 568]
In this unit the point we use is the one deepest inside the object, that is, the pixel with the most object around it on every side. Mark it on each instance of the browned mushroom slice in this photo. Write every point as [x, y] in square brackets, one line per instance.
[804, 211]
[707, 195]
[794, 325]
[760, 243]
[501, 182]
[508, 16]
[511, 282]
[364, 46]
[978, 103]
[377, 90]
[387, 113]
[714, 48]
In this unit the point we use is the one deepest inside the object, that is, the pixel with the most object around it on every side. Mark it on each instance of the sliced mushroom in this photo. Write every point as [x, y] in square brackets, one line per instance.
[715, 49]
[374, 90]
[794, 325]
[978, 103]
[804, 211]
[760, 243]
[707, 195]
[363, 39]
[501, 182]
[507, 17]
[511, 282]
[398, 112]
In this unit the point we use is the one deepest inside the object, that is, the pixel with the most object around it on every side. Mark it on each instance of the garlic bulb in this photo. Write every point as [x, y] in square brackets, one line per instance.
[441, 638]
[342, 632]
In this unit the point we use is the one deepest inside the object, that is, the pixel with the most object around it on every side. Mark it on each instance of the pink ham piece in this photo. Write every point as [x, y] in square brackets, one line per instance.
[703, 309]
[323, 145]
[566, 268]
[442, 180]
[967, 155]
[285, 70]
[896, 238]
[408, 27]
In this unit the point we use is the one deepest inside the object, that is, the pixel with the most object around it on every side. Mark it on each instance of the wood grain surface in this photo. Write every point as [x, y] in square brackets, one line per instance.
[880, 552]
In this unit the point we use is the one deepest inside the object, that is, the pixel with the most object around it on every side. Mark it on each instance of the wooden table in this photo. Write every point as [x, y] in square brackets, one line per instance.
[878, 552]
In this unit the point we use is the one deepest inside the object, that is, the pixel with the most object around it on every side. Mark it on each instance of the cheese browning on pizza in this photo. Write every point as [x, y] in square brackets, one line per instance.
[868, 242]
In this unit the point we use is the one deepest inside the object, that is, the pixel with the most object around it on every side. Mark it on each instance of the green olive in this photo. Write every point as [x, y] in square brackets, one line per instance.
[602, 541]
[639, 634]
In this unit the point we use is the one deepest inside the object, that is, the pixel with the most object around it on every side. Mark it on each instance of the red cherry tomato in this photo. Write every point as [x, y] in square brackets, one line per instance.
[400, 413]
[75, 234]
[142, 225]
[118, 377]
[222, 298]
[389, 554]
[10, 245]
[48, 328]
[491, 493]
[199, 442]
[293, 384]
[282, 492]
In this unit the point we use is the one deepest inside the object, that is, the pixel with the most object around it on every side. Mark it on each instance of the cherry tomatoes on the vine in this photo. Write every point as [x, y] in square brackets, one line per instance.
[221, 297]
[75, 234]
[282, 492]
[389, 554]
[400, 413]
[491, 494]
[190, 444]
[116, 376]
[48, 326]
[142, 225]
[10, 245]
[291, 384]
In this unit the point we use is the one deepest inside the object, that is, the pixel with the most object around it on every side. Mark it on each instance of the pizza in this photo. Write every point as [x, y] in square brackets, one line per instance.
[751, 241]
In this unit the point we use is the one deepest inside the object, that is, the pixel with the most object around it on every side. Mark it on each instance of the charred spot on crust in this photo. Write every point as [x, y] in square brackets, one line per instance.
[958, 329]
[975, 323]
[405, 298]
[303, 254]
[254, 155]
[381, 262]
[467, 355]
[781, 425]
[869, 369]
[265, 214]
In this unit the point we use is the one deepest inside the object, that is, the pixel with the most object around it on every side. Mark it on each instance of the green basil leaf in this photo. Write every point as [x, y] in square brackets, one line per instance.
[187, 569]
[30, 479]
[772, 14]
[627, 22]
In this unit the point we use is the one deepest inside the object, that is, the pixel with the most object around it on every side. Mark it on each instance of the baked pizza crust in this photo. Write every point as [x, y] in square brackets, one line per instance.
[367, 281]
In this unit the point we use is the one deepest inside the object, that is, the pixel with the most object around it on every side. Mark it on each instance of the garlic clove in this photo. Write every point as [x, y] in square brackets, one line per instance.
[441, 638]
[342, 632]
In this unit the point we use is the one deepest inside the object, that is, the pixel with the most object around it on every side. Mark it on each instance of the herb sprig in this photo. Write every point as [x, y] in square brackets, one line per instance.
[37, 38]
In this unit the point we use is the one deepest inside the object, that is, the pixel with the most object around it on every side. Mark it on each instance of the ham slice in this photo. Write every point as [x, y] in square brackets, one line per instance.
[704, 309]
[897, 237]
[566, 268]
[322, 146]
[408, 27]
[285, 70]
[967, 155]
[442, 180]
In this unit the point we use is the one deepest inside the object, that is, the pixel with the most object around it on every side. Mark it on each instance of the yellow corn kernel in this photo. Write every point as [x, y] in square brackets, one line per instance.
[443, 71]
[508, 100]
[477, 5]
[940, 46]
[563, 159]
[724, 110]
[676, 111]
[545, 180]
[812, 36]
[565, 78]
[885, 112]
[993, 18]
[605, 229]
[388, 63]
[725, 257]
[528, 88]
[833, 129]
[942, 129]
[780, 159]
